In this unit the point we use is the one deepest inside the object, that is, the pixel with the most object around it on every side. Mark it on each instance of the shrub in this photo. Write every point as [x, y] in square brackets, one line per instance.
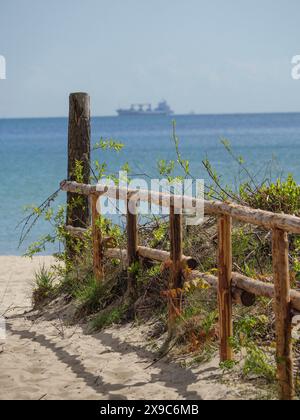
[279, 196]
[44, 286]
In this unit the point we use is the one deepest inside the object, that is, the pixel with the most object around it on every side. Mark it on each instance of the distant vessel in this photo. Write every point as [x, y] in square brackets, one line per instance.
[146, 109]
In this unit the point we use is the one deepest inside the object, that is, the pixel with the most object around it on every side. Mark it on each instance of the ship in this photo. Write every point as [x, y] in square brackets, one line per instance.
[146, 109]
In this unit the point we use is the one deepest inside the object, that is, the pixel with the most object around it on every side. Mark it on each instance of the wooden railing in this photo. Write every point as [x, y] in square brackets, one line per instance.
[231, 287]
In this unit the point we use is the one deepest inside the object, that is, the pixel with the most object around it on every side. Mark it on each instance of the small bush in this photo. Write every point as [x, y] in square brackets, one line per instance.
[249, 333]
[259, 362]
[89, 296]
[44, 286]
[279, 196]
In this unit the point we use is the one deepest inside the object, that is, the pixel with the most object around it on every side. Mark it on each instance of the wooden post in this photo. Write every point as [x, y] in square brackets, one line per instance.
[97, 242]
[78, 211]
[176, 274]
[283, 314]
[132, 244]
[224, 286]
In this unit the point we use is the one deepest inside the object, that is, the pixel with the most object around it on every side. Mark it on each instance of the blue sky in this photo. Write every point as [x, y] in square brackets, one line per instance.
[211, 56]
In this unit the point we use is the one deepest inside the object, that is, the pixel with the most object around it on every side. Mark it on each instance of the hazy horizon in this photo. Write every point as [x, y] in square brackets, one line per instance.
[213, 58]
[137, 117]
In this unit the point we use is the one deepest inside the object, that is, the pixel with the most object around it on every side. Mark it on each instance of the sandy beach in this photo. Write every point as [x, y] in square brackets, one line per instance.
[42, 358]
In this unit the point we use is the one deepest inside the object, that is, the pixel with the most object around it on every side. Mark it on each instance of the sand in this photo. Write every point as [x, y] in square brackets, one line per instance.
[45, 359]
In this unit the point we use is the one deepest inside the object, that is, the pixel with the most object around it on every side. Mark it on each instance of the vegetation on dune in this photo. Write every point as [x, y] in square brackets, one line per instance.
[197, 327]
[44, 287]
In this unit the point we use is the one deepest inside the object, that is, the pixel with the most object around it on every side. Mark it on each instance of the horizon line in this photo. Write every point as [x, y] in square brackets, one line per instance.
[169, 116]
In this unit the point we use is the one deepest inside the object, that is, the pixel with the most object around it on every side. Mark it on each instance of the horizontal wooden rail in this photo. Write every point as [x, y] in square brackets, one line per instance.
[164, 256]
[240, 296]
[143, 251]
[256, 287]
[239, 282]
[150, 254]
[258, 217]
[76, 232]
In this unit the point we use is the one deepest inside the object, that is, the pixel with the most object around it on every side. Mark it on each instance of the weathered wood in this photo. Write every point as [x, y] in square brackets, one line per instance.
[78, 211]
[150, 254]
[257, 217]
[240, 283]
[283, 313]
[80, 233]
[176, 273]
[118, 254]
[76, 188]
[224, 286]
[132, 244]
[97, 241]
[143, 252]
[295, 319]
[164, 256]
[239, 296]
[76, 232]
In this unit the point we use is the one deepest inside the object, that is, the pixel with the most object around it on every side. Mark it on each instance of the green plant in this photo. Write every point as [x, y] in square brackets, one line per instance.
[279, 196]
[259, 362]
[58, 231]
[45, 287]
[228, 365]
[160, 234]
[135, 269]
[209, 322]
[89, 295]
[109, 317]
[176, 169]
[248, 332]
[145, 276]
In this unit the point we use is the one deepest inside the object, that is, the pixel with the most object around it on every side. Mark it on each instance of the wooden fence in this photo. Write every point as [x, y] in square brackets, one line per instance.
[231, 287]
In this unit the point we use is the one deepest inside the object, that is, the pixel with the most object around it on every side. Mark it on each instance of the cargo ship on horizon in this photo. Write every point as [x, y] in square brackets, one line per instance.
[146, 109]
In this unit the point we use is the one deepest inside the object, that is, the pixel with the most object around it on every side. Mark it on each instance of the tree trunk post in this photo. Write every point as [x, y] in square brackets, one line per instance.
[79, 150]
[176, 273]
[224, 286]
[283, 314]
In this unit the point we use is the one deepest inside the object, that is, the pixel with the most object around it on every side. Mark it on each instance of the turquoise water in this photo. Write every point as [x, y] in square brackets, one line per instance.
[33, 154]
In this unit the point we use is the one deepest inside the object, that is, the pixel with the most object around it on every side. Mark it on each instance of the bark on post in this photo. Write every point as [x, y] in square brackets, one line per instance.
[79, 145]
[224, 286]
[97, 241]
[283, 314]
[132, 244]
[176, 274]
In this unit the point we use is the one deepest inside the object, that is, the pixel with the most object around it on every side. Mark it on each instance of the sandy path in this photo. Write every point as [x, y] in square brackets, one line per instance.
[45, 360]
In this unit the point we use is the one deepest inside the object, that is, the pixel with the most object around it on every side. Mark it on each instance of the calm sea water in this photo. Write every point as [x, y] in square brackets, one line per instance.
[33, 154]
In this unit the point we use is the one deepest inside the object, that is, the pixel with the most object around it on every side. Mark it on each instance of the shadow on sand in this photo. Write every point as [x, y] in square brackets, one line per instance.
[170, 374]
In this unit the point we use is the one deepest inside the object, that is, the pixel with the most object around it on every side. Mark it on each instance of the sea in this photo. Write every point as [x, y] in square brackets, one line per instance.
[33, 156]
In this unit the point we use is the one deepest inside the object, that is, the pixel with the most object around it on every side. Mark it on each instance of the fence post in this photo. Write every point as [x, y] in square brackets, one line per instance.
[79, 145]
[97, 241]
[224, 286]
[132, 244]
[283, 313]
[176, 275]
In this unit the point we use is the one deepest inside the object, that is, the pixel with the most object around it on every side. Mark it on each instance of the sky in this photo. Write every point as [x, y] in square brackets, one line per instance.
[210, 56]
